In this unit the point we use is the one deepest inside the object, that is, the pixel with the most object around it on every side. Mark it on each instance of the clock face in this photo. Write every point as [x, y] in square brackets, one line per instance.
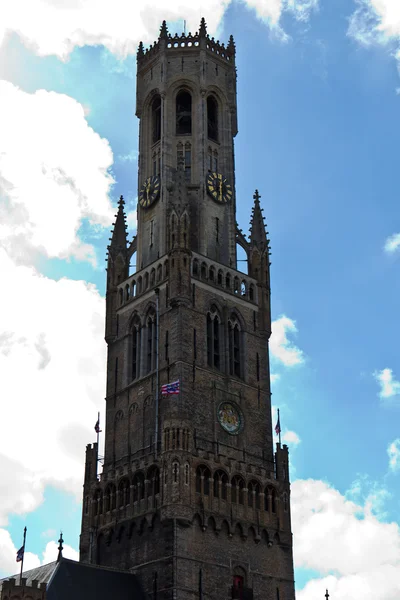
[218, 187]
[230, 417]
[149, 191]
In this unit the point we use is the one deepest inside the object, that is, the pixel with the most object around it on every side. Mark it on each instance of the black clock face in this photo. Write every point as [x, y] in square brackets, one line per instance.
[149, 191]
[218, 187]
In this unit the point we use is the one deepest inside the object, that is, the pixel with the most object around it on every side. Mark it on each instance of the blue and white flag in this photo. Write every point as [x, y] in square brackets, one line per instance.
[20, 554]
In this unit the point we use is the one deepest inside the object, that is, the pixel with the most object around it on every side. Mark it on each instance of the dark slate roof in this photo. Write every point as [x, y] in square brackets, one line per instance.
[81, 581]
[42, 574]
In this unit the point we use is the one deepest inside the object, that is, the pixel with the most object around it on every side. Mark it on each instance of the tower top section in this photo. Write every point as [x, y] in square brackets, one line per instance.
[187, 43]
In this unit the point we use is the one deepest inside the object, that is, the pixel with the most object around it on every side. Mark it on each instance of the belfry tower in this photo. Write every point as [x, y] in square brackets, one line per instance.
[192, 497]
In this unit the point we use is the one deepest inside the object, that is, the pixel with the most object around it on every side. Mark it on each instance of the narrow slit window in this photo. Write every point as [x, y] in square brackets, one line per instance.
[183, 113]
[156, 119]
[212, 118]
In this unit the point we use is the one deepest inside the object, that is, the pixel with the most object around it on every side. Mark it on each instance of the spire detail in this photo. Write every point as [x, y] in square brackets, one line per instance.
[258, 235]
[203, 27]
[118, 238]
[163, 31]
[60, 547]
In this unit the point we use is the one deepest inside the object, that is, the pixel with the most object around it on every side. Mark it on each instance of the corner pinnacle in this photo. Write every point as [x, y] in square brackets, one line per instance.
[163, 31]
[118, 237]
[258, 234]
[203, 27]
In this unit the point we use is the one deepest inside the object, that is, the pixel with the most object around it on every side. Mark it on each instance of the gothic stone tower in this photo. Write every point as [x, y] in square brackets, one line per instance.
[192, 497]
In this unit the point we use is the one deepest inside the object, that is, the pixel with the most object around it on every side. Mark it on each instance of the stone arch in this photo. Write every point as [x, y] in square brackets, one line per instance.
[203, 475]
[237, 489]
[124, 488]
[138, 486]
[225, 527]
[221, 481]
[197, 520]
[253, 494]
[211, 524]
[239, 530]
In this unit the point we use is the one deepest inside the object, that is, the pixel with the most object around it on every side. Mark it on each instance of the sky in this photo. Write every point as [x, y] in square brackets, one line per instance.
[318, 115]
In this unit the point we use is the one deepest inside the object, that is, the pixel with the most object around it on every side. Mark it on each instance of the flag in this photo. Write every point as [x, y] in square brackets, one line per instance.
[97, 426]
[20, 554]
[170, 388]
[278, 426]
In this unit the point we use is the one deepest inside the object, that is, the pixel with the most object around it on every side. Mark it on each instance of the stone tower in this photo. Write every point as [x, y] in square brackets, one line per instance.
[192, 497]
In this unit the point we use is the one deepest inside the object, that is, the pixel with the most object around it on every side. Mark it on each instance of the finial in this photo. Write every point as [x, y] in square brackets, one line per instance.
[203, 27]
[326, 595]
[121, 202]
[256, 196]
[60, 547]
[231, 45]
[163, 31]
[140, 51]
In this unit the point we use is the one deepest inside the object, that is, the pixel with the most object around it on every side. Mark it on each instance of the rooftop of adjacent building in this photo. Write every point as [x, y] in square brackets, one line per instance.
[66, 579]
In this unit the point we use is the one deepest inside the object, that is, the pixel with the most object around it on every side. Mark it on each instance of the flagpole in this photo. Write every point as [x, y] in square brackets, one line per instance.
[98, 432]
[23, 556]
[157, 292]
[279, 421]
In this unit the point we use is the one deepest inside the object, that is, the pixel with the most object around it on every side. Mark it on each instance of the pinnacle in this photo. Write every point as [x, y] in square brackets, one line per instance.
[163, 31]
[203, 27]
[258, 235]
[118, 237]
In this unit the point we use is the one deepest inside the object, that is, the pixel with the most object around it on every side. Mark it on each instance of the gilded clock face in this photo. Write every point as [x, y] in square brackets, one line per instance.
[218, 187]
[230, 417]
[149, 191]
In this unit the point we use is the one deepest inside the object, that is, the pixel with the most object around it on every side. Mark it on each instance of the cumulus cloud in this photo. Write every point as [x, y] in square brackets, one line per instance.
[394, 455]
[336, 535]
[280, 346]
[291, 438]
[52, 345]
[392, 243]
[389, 386]
[51, 552]
[120, 27]
[54, 173]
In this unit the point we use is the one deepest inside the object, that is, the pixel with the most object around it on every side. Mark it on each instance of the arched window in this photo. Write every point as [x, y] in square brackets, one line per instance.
[273, 501]
[203, 270]
[253, 494]
[153, 477]
[237, 494]
[212, 118]
[123, 492]
[220, 484]
[219, 277]
[195, 267]
[156, 119]
[228, 281]
[183, 113]
[110, 500]
[151, 326]
[213, 340]
[121, 296]
[138, 487]
[203, 480]
[251, 292]
[175, 472]
[186, 474]
[136, 336]
[234, 348]
[98, 503]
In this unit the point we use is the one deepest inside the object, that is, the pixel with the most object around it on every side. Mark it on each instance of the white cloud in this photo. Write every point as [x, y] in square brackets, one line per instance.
[53, 174]
[389, 387]
[52, 345]
[120, 26]
[334, 534]
[392, 243]
[291, 438]
[51, 552]
[394, 455]
[281, 348]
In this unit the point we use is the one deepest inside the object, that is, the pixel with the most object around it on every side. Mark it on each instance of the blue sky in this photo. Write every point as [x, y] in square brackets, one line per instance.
[318, 112]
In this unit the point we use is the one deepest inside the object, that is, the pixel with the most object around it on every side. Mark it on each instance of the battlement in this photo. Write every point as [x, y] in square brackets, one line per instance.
[35, 591]
[200, 40]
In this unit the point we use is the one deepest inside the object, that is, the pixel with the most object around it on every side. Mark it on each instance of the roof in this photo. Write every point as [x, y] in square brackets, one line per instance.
[81, 581]
[42, 574]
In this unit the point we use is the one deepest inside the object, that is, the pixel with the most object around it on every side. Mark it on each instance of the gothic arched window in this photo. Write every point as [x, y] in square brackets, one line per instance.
[153, 477]
[220, 484]
[203, 480]
[183, 113]
[138, 487]
[156, 119]
[237, 494]
[213, 340]
[212, 118]
[234, 334]
[136, 336]
[123, 492]
[151, 341]
[253, 494]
